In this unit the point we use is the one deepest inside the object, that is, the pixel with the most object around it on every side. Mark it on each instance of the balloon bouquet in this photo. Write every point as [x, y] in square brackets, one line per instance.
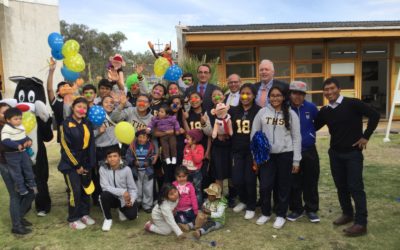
[164, 66]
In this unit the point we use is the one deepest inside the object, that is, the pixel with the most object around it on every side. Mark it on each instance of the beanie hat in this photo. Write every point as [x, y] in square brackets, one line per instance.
[196, 134]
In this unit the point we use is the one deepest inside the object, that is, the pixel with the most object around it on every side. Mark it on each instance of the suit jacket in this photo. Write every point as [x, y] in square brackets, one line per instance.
[207, 98]
[276, 83]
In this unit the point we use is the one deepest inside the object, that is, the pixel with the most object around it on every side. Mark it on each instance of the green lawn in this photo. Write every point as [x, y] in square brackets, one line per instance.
[381, 175]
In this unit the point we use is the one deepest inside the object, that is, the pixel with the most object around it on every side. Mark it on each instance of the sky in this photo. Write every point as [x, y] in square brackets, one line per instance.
[150, 20]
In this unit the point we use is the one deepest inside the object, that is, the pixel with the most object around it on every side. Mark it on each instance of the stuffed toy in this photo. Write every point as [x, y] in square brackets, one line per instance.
[223, 123]
[30, 96]
[167, 53]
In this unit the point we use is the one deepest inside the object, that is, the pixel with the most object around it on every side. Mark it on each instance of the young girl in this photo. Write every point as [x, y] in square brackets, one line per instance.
[214, 210]
[164, 122]
[162, 217]
[176, 105]
[78, 157]
[282, 127]
[173, 89]
[193, 155]
[244, 177]
[187, 208]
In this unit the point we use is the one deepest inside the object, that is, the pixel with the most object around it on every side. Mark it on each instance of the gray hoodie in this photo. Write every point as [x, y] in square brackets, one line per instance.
[118, 182]
[282, 140]
[108, 137]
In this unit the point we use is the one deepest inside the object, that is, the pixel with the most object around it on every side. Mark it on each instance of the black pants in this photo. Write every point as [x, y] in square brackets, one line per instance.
[169, 172]
[101, 154]
[244, 179]
[41, 171]
[347, 171]
[109, 201]
[277, 170]
[78, 200]
[305, 183]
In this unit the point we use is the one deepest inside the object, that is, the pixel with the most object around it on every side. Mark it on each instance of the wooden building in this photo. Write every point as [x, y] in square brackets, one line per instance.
[364, 56]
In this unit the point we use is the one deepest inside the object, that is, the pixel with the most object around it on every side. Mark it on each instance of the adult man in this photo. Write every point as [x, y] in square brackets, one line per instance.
[266, 72]
[305, 179]
[105, 88]
[343, 116]
[234, 83]
[203, 87]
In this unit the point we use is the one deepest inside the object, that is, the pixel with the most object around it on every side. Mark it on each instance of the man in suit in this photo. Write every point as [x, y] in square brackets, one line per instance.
[233, 96]
[266, 72]
[203, 87]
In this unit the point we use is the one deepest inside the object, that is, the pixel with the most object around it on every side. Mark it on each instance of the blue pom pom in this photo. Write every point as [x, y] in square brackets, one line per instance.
[260, 147]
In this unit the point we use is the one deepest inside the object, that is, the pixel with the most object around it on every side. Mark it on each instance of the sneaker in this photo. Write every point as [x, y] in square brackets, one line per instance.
[121, 216]
[173, 161]
[41, 213]
[294, 216]
[78, 225]
[262, 220]
[249, 215]
[313, 217]
[239, 207]
[147, 226]
[279, 222]
[87, 220]
[168, 160]
[184, 227]
[106, 225]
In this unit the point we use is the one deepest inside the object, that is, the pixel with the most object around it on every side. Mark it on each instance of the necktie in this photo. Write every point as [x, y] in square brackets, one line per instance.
[263, 98]
[202, 90]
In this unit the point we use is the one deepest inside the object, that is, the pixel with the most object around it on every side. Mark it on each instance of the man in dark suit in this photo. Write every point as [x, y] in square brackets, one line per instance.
[203, 87]
[266, 72]
[232, 97]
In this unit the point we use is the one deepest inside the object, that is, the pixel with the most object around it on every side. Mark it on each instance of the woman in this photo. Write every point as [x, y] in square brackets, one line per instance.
[244, 176]
[78, 157]
[19, 204]
[173, 90]
[157, 98]
[282, 127]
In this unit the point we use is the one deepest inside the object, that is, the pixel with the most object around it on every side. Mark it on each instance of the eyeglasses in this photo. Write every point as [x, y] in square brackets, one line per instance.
[203, 72]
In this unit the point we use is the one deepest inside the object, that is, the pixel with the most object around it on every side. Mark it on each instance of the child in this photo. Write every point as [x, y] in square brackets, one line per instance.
[165, 122]
[214, 208]
[187, 208]
[89, 92]
[119, 189]
[17, 144]
[162, 217]
[141, 156]
[104, 87]
[193, 155]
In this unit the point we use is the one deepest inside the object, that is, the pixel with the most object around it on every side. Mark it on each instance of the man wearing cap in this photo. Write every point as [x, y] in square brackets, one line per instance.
[305, 179]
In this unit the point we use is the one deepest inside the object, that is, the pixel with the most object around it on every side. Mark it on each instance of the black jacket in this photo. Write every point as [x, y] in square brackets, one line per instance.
[207, 98]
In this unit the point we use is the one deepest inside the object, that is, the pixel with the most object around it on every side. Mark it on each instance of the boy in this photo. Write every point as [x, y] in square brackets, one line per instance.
[105, 88]
[213, 211]
[89, 92]
[141, 156]
[17, 144]
[119, 189]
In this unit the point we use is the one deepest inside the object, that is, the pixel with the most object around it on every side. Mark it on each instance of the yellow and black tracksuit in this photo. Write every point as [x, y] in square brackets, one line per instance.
[77, 150]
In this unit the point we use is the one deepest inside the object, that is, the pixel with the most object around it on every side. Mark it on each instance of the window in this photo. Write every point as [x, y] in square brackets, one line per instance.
[243, 70]
[275, 53]
[309, 68]
[374, 50]
[346, 82]
[342, 68]
[342, 51]
[313, 83]
[316, 98]
[209, 53]
[309, 52]
[282, 69]
[241, 61]
[397, 49]
[240, 55]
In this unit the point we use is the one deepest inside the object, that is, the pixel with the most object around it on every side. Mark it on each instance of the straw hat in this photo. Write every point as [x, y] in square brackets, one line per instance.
[214, 189]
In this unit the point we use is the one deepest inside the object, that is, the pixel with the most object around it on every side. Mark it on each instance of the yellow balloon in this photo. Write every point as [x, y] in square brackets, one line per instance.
[75, 63]
[160, 66]
[28, 121]
[125, 132]
[70, 48]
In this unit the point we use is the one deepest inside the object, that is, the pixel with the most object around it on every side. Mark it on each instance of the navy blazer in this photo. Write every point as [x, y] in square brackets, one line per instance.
[276, 83]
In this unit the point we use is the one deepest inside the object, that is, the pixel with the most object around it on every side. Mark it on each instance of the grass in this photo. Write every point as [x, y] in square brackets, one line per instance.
[381, 176]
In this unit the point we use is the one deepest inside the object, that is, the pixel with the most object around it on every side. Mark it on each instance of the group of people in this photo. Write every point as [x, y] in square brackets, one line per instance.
[175, 167]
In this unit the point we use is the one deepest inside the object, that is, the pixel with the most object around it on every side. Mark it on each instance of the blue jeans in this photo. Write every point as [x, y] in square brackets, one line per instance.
[20, 169]
[19, 204]
[196, 178]
[185, 217]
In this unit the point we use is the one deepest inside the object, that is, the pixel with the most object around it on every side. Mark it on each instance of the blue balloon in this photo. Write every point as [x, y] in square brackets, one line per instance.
[56, 41]
[173, 73]
[56, 54]
[69, 75]
[97, 115]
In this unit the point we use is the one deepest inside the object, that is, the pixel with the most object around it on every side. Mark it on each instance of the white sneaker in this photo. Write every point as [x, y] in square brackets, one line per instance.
[262, 220]
[168, 160]
[87, 220]
[249, 215]
[106, 225]
[239, 207]
[121, 216]
[78, 225]
[279, 222]
[173, 160]
[41, 213]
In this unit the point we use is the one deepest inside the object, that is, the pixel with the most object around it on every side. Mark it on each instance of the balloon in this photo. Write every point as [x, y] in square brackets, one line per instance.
[160, 66]
[69, 75]
[56, 54]
[28, 121]
[56, 41]
[97, 115]
[75, 63]
[173, 73]
[70, 48]
[132, 79]
[125, 132]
